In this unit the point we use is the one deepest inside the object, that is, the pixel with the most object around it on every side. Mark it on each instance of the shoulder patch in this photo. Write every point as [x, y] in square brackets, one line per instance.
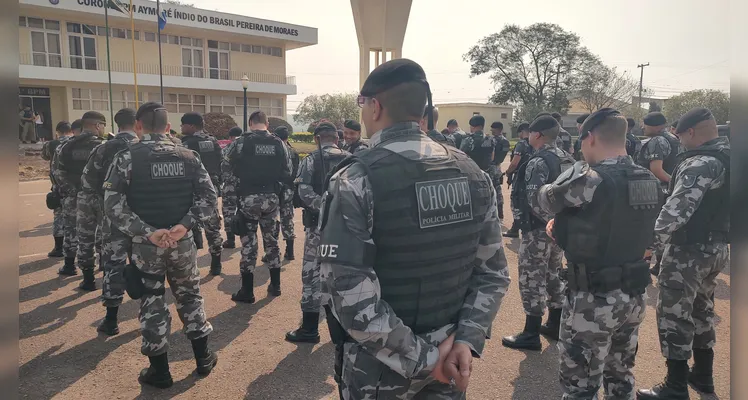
[443, 202]
[688, 180]
[528, 172]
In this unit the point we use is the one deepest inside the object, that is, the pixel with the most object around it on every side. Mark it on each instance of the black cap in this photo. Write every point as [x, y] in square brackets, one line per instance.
[655, 119]
[497, 125]
[148, 108]
[631, 122]
[693, 117]
[452, 122]
[325, 127]
[281, 132]
[77, 124]
[125, 117]
[192, 118]
[581, 118]
[235, 131]
[595, 119]
[353, 125]
[94, 116]
[542, 123]
[477, 120]
[524, 126]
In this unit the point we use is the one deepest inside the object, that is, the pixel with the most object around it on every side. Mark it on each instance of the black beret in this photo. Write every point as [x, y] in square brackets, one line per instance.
[325, 127]
[581, 118]
[94, 116]
[524, 126]
[557, 116]
[147, 108]
[125, 116]
[542, 123]
[392, 73]
[497, 125]
[77, 124]
[477, 120]
[452, 122]
[631, 122]
[693, 117]
[281, 132]
[235, 131]
[192, 118]
[351, 124]
[595, 119]
[655, 119]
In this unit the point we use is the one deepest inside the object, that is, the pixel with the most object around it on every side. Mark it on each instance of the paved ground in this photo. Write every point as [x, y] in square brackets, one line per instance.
[62, 356]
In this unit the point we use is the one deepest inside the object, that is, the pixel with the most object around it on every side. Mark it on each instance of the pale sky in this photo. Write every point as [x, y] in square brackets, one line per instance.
[685, 41]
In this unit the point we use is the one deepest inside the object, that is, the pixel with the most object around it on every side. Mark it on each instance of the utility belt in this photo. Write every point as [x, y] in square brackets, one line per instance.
[632, 278]
[309, 218]
[684, 237]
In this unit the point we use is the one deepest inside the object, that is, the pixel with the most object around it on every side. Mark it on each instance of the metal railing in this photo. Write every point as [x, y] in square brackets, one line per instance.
[92, 64]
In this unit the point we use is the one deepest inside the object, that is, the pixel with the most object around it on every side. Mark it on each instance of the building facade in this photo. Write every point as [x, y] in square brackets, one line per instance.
[63, 69]
[462, 112]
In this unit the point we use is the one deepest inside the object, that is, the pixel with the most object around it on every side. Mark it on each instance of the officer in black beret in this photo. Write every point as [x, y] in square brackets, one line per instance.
[659, 153]
[479, 146]
[352, 137]
[521, 153]
[578, 143]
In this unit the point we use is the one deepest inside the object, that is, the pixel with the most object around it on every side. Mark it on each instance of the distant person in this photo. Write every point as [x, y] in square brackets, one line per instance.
[64, 133]
[502, 149]
[28, 134]
[564, 138]
[659, 154]
[455, 132]
[578, 144]
[352, 137]
[229, 201]
[433, 133]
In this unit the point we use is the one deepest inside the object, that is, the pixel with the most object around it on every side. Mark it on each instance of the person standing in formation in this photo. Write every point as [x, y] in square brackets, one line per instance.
[564, 138]
[228, 194]
[693, 234]
[433, 133]
[521, 154]
[155, 193]
[540, 260]
[480, 147]
[411, 313]
[659, 154]
[455, 133]
[633, 143]
[286, 208]
[578, 144]
[70, 161]
[605, 209]
[209, 150]
[261, 163]
[500, 152]
[64, 133]
[352, 137]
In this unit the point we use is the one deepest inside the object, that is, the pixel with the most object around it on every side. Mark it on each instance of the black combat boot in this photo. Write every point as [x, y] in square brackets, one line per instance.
[230, 242]
[274, 288]
[157, 374]
[198, 238]
[246, 293]
[501, 211]
[513, 232]
[289, 250]
[204, 358]
[109, 325]
[308, 332]
[89, 281]
[529, 338]
[57, 251]
[69, 268]
[215, 264]
[701, 375]
[552, 325]
[675, 386]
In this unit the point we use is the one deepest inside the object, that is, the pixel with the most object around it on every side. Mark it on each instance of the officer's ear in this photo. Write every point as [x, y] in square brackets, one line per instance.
[168, 128]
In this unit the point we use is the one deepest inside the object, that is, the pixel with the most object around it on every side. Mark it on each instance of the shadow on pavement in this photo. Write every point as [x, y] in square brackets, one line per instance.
[539, 371]
[39, 230]
[51, 316]
[38, 265]
[303, 373]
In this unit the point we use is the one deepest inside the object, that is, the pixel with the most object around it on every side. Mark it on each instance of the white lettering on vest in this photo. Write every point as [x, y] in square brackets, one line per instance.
[264, 150]
[167, 170]
[443, 202]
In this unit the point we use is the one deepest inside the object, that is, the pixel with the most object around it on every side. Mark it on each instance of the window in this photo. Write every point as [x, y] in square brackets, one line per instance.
[226, 104]
[90, 99]
[503, 115]
[218, 63]
[122, 99]
[82, 45]
[101, 30]
[256, 49]
[276, 51]
[197, 42]
[173, 39]
[475, 113]
[22, 21]
[192, 61]
[150, 37]
[246, 48]
[164, 38]
[183, 103]
[276, 108]
[236, 47]
[128, 34]
[119, 33]
[253, 103]
[155, 96]
[266, 50]
[36, 23]
[45, 44]
[170, 101]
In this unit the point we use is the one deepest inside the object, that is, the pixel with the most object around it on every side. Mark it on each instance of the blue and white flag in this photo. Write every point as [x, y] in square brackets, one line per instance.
[162, 20]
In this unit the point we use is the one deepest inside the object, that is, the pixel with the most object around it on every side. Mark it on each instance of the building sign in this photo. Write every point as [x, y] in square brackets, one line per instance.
[33, 91]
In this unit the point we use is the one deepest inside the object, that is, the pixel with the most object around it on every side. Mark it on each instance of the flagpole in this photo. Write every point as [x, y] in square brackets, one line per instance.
[160, 66]
[108, 60]
[134, 62]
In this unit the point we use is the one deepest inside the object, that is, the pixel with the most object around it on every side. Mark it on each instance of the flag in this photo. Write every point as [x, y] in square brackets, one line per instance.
[162, 20]
[117, 5]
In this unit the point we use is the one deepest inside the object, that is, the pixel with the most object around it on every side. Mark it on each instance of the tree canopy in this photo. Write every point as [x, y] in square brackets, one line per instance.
[715, 100]
[333, 107]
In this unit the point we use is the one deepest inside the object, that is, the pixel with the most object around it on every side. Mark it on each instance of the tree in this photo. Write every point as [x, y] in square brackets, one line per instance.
[218, 124]
[536, 67]
[718, 102]
[603, 87]
[334, 107]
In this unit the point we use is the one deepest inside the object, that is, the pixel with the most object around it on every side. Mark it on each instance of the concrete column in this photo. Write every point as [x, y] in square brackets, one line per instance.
[397, 53]
[364, 60]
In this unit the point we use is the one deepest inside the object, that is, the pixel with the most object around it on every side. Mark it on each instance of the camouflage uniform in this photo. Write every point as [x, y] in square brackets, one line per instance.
[48, 154]
[213, 225]
[229, 199]
[563, 140]
[178, 264]
[540, 259]
[356, 146]
[656, 148]
[599, 332]
[688, 273]
[522, 147]
[286, 209]
[386, 359]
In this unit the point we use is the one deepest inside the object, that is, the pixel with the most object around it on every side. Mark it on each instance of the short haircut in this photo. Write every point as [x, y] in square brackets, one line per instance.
[452, 122]
[76, 125]
[125, 117]
[435, 112]
[153, 117]
[551, 133]
[497, 125]
[63, 127]
[258, 117]
[445, 131]
[612, 130]
[93, 118]
[404, 102]
[631, 123]
[327, 136]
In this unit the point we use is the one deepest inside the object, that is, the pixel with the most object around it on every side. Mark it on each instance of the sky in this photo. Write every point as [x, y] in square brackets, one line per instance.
[684, 41]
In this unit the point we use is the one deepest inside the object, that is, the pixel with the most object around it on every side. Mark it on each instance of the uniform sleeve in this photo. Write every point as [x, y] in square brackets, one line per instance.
[658, 148]
[488, 284]
[349, 277]
[204, 200]
[90, 177]
[64, 185]
[467, 144]
[115, 198]
[304, 179]
[556, 196]
[288, 165]
[536, 176]
[696, 176]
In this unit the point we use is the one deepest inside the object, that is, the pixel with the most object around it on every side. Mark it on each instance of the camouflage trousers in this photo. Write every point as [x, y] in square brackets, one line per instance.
[495, 173]
[228, 202]
[286, 214]
[260, 209]
[180, 267]
[598, 340]
[212, 233]
[58, 229]
[69, 217]
[540, 261]
[685, 303]
[88, 226]
[365, 377]
[114, 258]
[310, 281]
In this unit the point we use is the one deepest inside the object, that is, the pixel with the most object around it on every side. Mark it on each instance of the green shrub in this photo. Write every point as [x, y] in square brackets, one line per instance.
[303, 137]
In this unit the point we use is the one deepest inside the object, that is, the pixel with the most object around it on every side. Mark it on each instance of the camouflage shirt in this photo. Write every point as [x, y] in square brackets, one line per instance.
[501, 150]
[308, 196]
[90, 180]
[356, 146]
[367, 318]
[537, 175]
[468, 143]
[655, 148]
[563, 140]
[695, 176]
[117, 183]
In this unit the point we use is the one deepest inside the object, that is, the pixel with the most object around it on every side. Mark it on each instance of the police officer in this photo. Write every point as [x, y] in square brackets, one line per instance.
[540, 260]
[228, 194]
[261, 163]
[413, 312]
[578, 144]
[633, 143]
[352, 137]
[433, 133]
[673, 128]
[286, 208]
[521, 154]
[64, 133]
[693, 229]
[605, 208]
[195, 139]
[500, 152]
[155, 193]
[455, 133]
[71, 158]
[478, 146]
[659, 154]
[564, 138]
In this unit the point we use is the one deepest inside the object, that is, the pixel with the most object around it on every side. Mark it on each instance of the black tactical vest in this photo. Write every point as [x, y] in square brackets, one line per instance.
[438, 137]
[632, 142]
[354, 147]
[111, 148]
[668, 164]
[260, 168]
[209, 150]
[556, 165]
[75, 155]
[481, 154]
[428, 216]
[711, 220]
[161, 185]
[294, 162]
[331, 160]
[618, 225]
